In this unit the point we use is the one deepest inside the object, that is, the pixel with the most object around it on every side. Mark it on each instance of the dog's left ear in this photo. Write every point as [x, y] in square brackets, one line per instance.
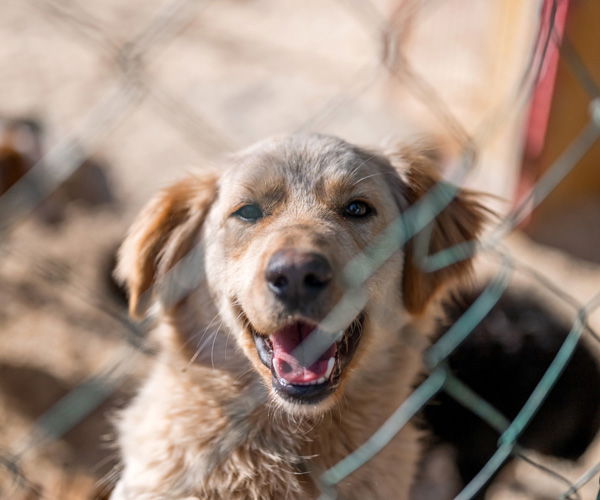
[164, 232]
[460, 221]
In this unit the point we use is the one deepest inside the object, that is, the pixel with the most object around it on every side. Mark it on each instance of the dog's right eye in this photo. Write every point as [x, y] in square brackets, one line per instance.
[249, 213]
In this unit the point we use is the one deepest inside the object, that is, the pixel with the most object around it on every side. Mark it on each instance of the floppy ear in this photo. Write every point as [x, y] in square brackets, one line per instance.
[163, 233]
[458, 222]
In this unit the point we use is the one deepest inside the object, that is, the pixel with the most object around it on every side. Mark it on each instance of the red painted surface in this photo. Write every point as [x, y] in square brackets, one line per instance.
[542, 96]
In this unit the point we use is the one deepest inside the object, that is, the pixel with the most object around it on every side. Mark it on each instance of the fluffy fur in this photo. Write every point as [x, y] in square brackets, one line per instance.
[208, 423]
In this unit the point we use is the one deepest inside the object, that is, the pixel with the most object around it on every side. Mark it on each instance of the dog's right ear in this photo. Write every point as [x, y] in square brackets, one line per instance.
[163, 233]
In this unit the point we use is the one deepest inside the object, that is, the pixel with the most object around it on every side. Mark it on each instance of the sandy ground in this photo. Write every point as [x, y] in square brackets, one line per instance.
[214, 77]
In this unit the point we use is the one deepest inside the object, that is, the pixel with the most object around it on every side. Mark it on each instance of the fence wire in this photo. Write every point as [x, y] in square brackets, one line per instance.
[134, 84]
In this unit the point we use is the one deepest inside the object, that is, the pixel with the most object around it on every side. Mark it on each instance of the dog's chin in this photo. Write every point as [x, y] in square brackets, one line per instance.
[307, 365]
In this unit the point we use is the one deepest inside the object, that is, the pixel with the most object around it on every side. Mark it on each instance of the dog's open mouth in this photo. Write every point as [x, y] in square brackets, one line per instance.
[307, 363]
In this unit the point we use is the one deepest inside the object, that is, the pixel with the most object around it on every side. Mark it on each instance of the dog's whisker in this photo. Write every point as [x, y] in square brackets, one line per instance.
[212, 352]
[201, 338]
[362, 179]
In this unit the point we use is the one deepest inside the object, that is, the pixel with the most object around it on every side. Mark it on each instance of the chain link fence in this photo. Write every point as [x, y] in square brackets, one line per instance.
[128, 62]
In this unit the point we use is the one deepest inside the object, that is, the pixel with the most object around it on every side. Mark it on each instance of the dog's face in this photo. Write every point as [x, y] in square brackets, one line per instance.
[283, 230]
[289, 217]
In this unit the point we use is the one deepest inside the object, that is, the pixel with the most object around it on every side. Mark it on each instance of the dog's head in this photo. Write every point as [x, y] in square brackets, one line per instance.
[301, 259]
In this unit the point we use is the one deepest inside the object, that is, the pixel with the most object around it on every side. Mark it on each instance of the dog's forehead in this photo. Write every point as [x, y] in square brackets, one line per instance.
[308, 163]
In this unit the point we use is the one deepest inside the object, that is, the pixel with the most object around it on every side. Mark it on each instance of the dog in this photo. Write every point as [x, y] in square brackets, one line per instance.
[286, 310]
[502, 361]
[23, 177]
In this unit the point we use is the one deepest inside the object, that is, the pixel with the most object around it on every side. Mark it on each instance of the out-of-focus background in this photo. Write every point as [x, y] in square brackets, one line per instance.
[104, 102]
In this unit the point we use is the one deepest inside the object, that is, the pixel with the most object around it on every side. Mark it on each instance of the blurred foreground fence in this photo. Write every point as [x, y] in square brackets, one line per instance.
[133, 84]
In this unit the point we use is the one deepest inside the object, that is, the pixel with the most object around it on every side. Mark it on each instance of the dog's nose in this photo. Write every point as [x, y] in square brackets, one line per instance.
[296, 277]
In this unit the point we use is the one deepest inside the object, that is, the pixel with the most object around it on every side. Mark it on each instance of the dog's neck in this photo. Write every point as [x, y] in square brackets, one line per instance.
[369, 398]
[382, 385]
[244, 429]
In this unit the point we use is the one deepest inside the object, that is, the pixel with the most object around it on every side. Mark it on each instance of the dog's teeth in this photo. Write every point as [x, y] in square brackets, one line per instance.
[314, 382]
[330, 364]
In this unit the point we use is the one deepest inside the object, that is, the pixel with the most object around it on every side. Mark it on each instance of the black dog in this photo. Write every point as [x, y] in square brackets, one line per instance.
[502, 361]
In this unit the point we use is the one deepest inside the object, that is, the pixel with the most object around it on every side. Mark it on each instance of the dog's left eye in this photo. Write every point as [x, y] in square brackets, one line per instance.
[357, 209]
[249, 213]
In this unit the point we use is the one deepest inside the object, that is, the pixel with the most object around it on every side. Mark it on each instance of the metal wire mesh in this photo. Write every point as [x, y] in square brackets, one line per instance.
[133, 82]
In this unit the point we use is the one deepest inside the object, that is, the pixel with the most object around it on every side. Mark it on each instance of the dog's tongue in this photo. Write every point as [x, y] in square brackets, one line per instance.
[288, 347]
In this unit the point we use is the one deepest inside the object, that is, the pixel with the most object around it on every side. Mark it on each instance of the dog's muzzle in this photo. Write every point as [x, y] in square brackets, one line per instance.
[307, 363]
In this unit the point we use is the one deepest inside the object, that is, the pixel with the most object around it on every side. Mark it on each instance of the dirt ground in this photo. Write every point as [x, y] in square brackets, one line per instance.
[208, 77]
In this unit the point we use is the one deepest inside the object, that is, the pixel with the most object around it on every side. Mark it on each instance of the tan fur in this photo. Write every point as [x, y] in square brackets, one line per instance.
[207, 423]
[174, 216]
[457, 223]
